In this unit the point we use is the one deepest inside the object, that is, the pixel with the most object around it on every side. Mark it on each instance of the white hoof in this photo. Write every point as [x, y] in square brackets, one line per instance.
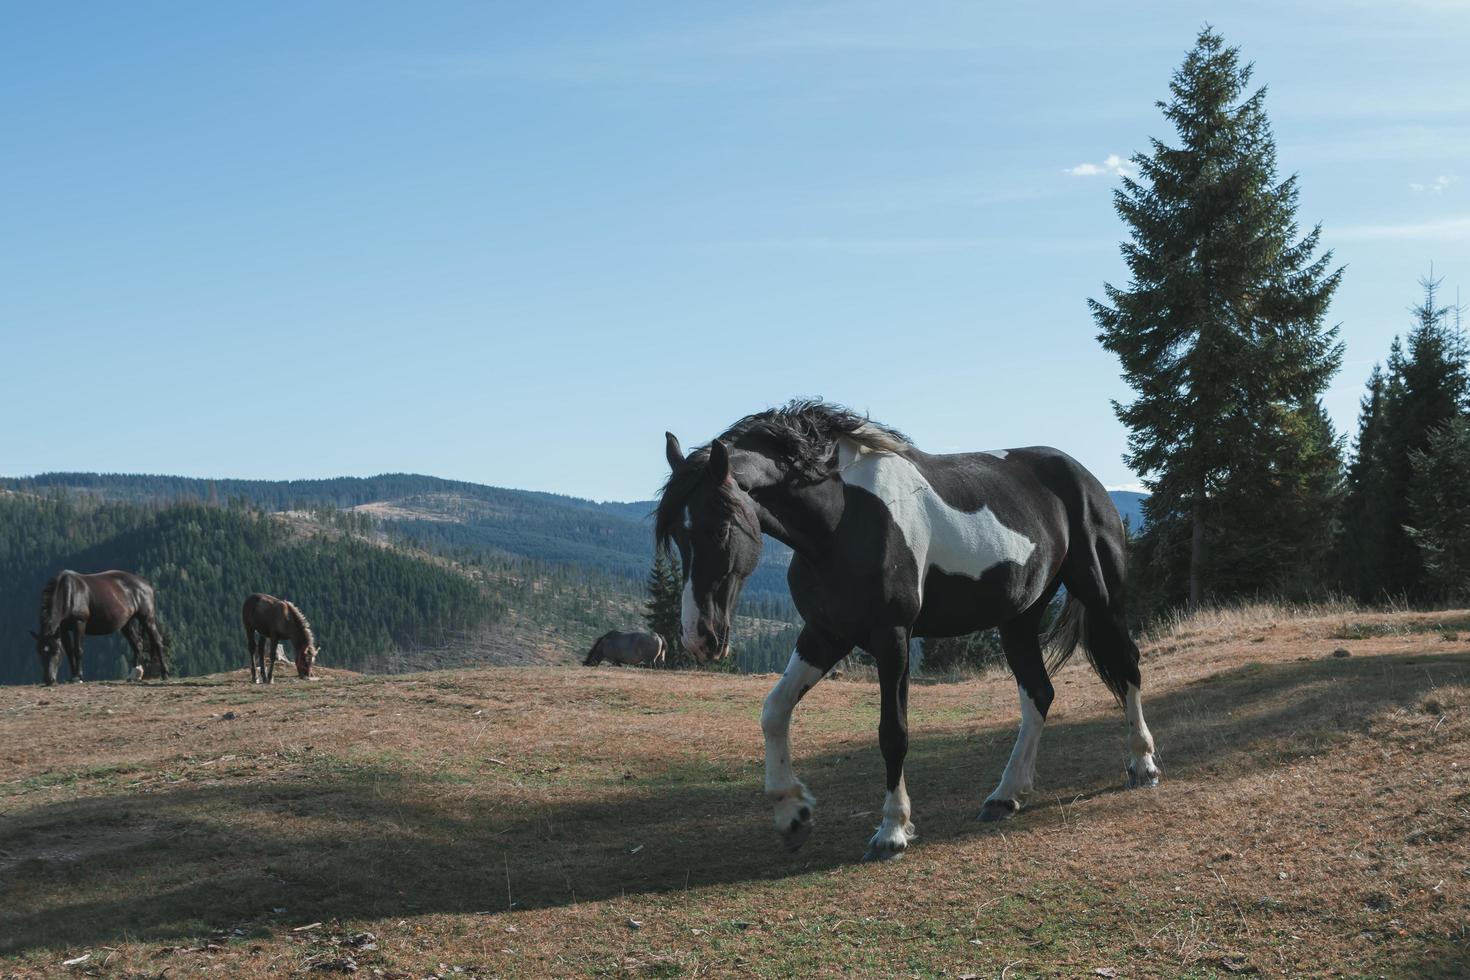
[889, 842]
[795, 816]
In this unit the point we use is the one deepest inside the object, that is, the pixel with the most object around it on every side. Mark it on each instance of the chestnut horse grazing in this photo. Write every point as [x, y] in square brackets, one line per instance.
[74, 605]
[276, 620]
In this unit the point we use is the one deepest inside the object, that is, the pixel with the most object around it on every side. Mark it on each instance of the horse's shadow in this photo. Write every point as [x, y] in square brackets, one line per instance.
[368, 844]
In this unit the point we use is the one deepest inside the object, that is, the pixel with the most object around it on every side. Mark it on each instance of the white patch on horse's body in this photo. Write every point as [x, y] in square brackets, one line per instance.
[1020, 773]
[998, 453]
[939, 536]
[786, 792]
[689, 611]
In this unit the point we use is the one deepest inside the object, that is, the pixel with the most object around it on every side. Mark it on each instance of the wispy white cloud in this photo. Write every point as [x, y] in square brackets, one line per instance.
[1449, 229]
[1435, 186]
[1113, 165]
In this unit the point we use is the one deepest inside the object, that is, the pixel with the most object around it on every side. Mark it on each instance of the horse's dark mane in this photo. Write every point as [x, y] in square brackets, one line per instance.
[803, 430]
[48, 593]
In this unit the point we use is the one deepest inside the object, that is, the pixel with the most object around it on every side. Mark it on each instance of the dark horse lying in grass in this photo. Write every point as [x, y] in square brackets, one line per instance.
[269, 621]
[74, 605]
[892, 543]
[627, 647]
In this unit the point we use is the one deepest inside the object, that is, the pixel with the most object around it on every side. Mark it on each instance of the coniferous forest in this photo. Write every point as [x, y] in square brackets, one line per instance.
[365, 601]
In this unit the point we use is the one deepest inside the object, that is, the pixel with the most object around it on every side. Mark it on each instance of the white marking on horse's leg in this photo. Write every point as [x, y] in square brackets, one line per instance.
[689, 615]
[894, 833]
[1020, 773]
[1141, 768]
[136, 674]
[792, 803]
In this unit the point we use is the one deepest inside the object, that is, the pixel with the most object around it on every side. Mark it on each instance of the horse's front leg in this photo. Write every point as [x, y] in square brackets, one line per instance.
[890, 648]
[74, 651]
[794, 807]
[271, 644]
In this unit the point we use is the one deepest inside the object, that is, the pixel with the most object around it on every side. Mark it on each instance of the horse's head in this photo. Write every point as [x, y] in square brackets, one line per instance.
[305, 658]
[713, 521]
[48, 649]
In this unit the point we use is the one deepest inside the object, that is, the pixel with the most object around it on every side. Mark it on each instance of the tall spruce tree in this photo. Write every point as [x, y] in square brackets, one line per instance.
[661, 613]
[1220, 334]
[1426, 385]
[1439, 505]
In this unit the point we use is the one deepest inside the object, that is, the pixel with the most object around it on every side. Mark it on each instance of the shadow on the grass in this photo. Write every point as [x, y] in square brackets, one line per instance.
[377, 844]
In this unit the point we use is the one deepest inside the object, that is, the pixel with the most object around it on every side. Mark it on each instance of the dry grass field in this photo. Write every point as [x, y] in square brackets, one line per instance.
[1314, 820]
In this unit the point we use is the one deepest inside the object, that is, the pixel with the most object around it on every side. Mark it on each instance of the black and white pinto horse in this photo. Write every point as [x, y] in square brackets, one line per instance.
[891, 543]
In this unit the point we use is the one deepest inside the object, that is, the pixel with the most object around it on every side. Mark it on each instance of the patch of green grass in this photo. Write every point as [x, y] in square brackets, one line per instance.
[104, 774]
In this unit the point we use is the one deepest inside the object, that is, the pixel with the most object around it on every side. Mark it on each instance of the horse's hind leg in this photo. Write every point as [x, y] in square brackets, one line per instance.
[1021, 642]
[133, 633]
[1094, 577]
[1109, 643]
[155, 642]
[253, 645]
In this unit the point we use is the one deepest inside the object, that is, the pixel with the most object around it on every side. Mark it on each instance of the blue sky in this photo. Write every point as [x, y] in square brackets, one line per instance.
[515, 242]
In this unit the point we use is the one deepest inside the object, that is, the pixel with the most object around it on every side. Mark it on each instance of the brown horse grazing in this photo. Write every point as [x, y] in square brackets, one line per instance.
[276, 620]
[74, 605]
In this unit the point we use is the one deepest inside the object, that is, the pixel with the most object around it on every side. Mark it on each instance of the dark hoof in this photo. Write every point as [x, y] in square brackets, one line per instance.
[801, 828]
[1148, 780]
[884, 852]
[996, 810]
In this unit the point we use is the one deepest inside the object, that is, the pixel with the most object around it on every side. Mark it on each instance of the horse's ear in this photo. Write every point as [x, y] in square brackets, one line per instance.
[719, 461]
[673, 451]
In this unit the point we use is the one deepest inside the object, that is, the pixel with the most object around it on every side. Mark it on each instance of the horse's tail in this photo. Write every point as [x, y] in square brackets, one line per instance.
[593, 657]
[1116, 663]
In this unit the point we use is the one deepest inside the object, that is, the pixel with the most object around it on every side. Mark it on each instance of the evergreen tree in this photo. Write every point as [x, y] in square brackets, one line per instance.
[1439, 505]
[1426, 386]
[662, 611]
[1220, 334]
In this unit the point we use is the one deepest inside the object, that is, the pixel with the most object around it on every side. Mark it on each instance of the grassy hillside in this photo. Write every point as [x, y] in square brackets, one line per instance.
[377, 602]
[459, 518]
[366, 602]
[1314, 820]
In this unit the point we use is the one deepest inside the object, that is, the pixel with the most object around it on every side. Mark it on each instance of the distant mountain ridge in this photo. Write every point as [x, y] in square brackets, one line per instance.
[454, 516]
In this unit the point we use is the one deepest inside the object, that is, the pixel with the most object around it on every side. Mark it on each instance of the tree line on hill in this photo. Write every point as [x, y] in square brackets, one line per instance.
[376, 605]
[1221, 333]
[365, 600]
